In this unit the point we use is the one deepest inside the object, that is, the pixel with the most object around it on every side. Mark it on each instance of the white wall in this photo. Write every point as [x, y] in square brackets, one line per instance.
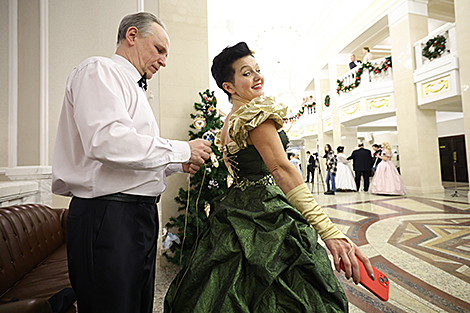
[451, 128]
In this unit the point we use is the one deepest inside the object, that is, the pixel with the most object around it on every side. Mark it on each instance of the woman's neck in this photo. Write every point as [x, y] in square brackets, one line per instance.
[237, 103]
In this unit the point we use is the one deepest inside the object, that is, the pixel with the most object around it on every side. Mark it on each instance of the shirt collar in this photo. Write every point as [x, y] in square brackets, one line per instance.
[128, 66]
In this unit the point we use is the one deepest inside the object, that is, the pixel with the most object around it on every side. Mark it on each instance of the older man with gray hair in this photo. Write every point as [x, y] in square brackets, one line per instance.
[110, 158]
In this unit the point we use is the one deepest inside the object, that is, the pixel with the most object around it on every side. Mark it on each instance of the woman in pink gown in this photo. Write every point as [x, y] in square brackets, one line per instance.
[387, 180]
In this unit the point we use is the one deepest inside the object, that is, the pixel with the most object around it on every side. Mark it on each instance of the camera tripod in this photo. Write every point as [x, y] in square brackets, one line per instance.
[319, 177]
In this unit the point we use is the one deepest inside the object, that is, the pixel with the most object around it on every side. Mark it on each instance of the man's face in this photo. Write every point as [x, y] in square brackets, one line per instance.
[152, 51]
[353, 58]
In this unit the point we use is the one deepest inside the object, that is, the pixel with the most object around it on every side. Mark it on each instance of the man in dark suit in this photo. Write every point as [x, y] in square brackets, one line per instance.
[310, 167]
[354, 62]
[362, 164]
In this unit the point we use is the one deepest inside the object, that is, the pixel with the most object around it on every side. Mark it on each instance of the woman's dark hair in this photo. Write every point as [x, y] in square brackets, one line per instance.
[327, 146]
[222, 69]
[340, 149]
[367, 49]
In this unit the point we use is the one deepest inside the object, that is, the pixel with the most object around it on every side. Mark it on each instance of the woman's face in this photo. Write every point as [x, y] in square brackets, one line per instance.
[248, 81]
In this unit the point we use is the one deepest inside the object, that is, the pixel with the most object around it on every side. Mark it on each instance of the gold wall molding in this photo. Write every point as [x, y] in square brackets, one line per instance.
[327, 122]
[436, 86]
[378, 103]
[351, 109]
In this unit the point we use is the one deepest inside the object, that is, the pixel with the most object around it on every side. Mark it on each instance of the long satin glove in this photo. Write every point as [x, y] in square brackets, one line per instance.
[303, 200]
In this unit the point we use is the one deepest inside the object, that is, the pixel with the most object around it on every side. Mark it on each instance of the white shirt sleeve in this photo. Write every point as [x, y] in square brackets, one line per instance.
[108, 132]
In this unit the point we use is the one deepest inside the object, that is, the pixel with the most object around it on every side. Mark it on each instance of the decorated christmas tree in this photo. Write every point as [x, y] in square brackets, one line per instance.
[208, 183]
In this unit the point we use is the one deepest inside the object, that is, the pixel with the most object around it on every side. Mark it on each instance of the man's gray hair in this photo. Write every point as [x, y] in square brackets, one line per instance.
[142, 21]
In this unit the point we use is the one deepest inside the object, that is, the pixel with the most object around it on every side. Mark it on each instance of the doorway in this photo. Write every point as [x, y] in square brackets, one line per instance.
[453, 154]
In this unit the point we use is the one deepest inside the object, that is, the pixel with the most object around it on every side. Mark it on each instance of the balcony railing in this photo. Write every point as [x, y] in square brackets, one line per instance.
[437, 75]
[448, 32]
[374, 71]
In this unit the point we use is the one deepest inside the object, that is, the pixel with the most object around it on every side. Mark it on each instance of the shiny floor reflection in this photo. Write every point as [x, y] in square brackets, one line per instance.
[420, 241]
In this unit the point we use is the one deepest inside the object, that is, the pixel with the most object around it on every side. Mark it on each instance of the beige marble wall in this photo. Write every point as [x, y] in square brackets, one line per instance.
[28, 82]
[186, 75]
[462, 11]
[4, 65]
[78, 30]
[417, 129]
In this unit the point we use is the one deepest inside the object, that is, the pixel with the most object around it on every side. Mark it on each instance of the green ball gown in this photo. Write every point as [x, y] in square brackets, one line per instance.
[257, 253]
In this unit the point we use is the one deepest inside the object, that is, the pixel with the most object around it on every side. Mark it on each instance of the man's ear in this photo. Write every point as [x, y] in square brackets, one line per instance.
[228, 86]
[131, 35]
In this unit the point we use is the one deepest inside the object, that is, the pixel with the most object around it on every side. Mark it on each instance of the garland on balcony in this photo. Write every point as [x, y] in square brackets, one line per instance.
[327, 100]
[376, 69]
[301, 112]
[434, 47]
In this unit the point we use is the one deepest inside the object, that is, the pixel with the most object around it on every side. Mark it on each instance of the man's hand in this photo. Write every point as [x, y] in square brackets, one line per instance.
[200, 151]
[190, 168]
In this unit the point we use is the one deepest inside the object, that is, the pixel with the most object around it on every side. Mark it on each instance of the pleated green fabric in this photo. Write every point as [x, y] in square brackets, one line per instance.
[256, 253]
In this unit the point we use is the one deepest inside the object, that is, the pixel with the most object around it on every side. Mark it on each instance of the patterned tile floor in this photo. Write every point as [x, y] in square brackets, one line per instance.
[421, 242]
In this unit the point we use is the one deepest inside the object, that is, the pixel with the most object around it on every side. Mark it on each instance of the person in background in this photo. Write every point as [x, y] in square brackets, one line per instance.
[344, 175]
[387, 180]
[367, 54]
[258, 251]
[354, 62]
[109, 157]
[331, 163]
[295, 162]
[362, 164]
[310, 167]
[376, 156]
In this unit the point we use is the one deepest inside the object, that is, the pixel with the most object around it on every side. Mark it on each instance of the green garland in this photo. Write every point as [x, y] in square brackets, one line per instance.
[434, 47]
[382, 67]
[300, 113]
[327, 100]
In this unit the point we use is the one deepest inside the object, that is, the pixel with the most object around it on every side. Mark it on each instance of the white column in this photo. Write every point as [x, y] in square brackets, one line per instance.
[417, 128]
[13, 85]
[44, 83]
[462, 24]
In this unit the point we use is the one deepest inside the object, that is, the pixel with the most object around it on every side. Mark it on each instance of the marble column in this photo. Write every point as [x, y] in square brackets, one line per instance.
[322, 86]
[337, 66]
[348, 139]
[462, 24]
[417, 128]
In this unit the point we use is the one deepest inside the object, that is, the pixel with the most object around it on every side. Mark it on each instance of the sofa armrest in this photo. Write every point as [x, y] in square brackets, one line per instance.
[63, 220]
[26, 306]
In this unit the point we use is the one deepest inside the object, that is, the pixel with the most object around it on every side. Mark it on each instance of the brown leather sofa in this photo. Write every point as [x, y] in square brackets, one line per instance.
[33, 258]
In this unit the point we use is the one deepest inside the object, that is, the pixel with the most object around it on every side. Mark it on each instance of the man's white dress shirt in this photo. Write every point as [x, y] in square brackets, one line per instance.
[108, 139]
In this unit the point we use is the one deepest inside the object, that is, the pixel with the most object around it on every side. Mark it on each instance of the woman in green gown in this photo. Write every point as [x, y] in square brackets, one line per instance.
[258, 251]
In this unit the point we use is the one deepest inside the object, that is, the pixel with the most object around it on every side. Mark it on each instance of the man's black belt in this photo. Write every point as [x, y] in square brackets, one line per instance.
[124, 197]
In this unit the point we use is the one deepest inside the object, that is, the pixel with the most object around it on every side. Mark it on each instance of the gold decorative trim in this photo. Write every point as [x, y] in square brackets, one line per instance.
[327, 122]
[351, 109]
[378, 103]
[312, 129]
[444, 82]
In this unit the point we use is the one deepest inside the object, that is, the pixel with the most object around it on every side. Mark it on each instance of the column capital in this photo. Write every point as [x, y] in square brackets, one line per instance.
[404, 7]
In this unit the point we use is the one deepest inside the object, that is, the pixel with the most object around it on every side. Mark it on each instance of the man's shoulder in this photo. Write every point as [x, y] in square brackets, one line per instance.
[96, 60]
